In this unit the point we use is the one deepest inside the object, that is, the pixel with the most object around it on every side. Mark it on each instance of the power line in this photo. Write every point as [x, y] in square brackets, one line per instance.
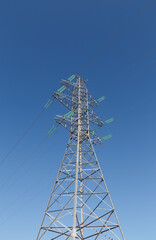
[135, 106]
[24, 205]
[131, 108]
[52, 130]
[26, 171]
[22, 194]
[130, 78]
[128, 126]
[25, 133]
[47, 105]
[21, 138]
[110, 93]
[128, 69]
[141, 12]
[23, 162]
[133, 20]
[145, 100]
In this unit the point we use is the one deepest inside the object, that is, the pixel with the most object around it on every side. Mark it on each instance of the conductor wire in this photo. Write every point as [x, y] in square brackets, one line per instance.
[29, 156]
[22, 137]
[129, 68]
[131, 22]
[128, 126]
[23, 162]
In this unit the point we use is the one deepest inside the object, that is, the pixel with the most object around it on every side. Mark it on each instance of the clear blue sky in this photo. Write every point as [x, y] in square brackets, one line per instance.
[44, 41]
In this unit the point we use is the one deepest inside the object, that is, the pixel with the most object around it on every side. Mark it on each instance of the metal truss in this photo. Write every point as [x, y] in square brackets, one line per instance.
[80, 206]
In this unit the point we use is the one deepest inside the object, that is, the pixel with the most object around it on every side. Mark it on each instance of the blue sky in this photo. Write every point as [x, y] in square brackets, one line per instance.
[44, 41]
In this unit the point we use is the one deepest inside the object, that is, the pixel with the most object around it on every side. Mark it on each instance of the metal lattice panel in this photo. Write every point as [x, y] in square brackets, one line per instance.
[80, 206]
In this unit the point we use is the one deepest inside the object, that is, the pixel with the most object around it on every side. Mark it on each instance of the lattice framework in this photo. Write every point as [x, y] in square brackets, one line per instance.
[80, 206]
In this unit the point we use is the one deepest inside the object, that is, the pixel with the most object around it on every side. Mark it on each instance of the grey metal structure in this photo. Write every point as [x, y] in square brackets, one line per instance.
[80, 206]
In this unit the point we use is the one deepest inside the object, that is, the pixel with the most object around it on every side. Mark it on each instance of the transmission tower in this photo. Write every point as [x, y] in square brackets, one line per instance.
[80, 206]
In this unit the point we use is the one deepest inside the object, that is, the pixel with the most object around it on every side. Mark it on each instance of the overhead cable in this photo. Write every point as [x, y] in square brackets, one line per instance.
[46, 106]
[130, 23]
[52, 130]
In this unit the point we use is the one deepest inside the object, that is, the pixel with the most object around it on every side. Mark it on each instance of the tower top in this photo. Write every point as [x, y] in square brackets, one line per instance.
[80, 104]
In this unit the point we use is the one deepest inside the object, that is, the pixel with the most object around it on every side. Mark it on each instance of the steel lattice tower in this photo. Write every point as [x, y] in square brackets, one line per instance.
[80, 206]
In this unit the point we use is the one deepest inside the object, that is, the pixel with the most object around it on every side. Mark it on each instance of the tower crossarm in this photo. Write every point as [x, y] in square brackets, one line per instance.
[92, 101]
[94, 118]
[69, 86]
[64, 121]
[64, 99]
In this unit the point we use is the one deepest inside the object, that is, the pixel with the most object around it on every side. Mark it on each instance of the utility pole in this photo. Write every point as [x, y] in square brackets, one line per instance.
[80, 206]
